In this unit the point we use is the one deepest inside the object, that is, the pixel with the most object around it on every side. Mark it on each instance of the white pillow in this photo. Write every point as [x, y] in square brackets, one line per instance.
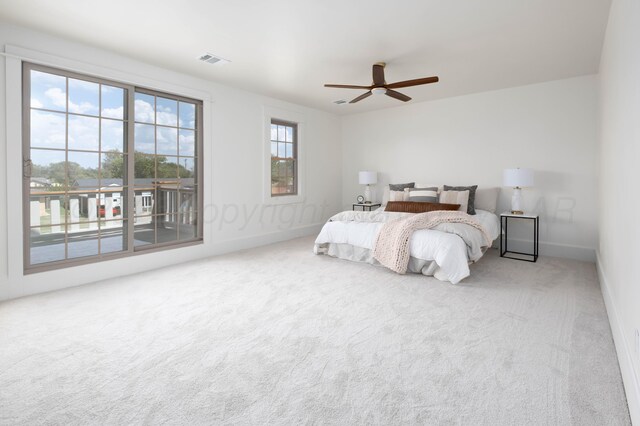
[430, 185]
[456, 197]
[396, 195]
[407, 192]
[487, 199]
[385, 195]
[389, 195]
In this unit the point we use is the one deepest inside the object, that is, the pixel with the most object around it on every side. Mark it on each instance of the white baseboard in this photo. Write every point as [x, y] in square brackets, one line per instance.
[228, 246]
[585, 254]
[623, 348]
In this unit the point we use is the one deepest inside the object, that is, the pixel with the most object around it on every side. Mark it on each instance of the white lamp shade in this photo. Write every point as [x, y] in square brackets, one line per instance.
[517, 177]
[367, 178]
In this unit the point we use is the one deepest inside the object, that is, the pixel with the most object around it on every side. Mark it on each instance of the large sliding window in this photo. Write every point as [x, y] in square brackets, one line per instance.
[109, 169]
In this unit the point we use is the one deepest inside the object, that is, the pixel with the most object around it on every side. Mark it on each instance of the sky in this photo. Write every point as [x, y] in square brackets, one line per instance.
[49, 91]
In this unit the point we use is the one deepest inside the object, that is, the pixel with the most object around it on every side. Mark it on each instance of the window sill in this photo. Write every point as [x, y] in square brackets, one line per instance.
[284, 199]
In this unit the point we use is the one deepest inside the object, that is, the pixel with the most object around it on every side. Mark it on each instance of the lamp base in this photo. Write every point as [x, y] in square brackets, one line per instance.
[367, 194]
[516, 201]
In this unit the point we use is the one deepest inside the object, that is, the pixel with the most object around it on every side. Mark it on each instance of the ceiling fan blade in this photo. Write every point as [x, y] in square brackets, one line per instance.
[361, 97]
[347, 86]
[378, 75]
[397, 95]
[409, 83]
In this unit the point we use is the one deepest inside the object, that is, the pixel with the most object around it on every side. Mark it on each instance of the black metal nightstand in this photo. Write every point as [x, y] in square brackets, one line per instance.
[504, 228]
[366, 206]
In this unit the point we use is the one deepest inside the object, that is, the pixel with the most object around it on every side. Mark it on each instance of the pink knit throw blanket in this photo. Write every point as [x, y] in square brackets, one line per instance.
[391, 247]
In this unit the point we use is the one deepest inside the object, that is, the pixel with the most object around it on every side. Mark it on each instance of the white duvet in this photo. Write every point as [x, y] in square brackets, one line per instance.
[444, 246]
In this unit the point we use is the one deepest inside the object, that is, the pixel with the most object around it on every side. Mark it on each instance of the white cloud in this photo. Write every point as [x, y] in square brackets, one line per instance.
[166, 114]
[112, 135]
[83, 108]
[187, 115]
[113, 112]
[83, 133]
[144, 138]
[167, 141]
[187, 142]
[47, 129]
[57, 97]
[163, 115]
[144, 111]
[167, 118]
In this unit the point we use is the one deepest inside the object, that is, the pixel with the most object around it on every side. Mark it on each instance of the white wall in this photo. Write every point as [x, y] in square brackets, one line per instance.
[549, 127]
[619, 172]
[235, 214]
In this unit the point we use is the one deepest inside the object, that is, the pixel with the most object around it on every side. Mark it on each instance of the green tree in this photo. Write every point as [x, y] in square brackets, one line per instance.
[57, 173]
[144, 167]
[280, 168]
[113, 165]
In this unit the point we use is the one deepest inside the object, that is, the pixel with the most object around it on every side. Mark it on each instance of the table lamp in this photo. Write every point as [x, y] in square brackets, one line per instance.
[517, 178]
[367, 178]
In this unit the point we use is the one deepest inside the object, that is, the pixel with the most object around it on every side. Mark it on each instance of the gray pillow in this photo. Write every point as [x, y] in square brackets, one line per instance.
[401, 186]
[471, 209]
[424, 195]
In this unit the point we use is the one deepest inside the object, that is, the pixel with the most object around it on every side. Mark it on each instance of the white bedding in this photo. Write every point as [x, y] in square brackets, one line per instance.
[448, 250]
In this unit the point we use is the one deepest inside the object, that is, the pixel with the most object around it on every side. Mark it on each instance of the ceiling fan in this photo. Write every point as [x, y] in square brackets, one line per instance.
[380, 86]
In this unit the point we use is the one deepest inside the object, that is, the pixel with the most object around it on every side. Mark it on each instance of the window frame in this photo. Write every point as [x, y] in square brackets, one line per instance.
[289, 117]
[128, 179]
[294, 126]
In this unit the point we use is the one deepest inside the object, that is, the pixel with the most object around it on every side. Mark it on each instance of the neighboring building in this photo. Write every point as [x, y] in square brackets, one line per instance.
[38, 182]
[172, 195]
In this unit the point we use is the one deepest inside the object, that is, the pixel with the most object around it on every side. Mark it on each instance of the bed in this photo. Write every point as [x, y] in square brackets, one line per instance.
[443, 252]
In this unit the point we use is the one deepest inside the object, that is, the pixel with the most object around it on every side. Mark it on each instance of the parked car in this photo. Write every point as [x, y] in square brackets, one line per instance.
[116, 211]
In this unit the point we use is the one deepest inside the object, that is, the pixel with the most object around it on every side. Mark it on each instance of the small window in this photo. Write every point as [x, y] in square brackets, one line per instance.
[284, 158]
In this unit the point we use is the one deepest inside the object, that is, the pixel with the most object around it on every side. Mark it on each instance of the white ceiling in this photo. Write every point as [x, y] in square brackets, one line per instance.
[289, 48]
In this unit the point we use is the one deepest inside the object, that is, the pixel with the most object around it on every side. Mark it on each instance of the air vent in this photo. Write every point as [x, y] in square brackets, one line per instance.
[340, 102]
[213, 59]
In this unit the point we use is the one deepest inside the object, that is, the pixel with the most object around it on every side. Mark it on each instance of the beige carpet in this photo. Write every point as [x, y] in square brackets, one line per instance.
[277, 335]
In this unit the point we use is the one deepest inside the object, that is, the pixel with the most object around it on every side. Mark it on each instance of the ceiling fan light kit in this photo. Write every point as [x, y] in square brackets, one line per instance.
[380, 86]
